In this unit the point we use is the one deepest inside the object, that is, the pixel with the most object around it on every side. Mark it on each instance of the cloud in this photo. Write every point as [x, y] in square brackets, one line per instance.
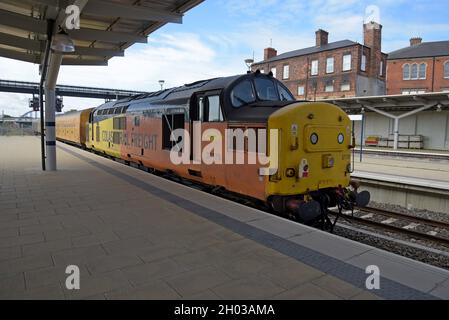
[177, 58]
[230, 32]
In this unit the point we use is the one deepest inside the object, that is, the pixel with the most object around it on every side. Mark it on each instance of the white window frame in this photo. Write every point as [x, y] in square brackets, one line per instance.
[326, 87]
[301, 90]
[273, 70]
[314, 68]
[286, 72]
[345, 87]
[363, 63]
[446, 76]
[412, 77]
[425, 71]
[381, 70]
[413, 91]
[408, 75]
[347, 65]
[330, 67]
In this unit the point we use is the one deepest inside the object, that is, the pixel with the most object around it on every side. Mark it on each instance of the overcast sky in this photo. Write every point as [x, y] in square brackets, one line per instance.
[218, 35]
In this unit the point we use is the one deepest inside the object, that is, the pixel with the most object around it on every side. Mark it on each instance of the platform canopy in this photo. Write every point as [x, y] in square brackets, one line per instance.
[394, 103]
[107, 27]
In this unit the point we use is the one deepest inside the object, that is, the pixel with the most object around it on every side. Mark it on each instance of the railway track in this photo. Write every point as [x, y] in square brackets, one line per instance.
[413, 226]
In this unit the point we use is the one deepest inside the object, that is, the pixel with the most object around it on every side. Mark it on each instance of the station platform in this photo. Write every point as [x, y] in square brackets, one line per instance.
[406, 153]
[427, 172]
[137, 236]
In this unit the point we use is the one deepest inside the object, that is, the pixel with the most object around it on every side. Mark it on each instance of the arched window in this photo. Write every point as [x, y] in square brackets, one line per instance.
[406, 72]
[422, 71]
[446, 70]
[414, 72]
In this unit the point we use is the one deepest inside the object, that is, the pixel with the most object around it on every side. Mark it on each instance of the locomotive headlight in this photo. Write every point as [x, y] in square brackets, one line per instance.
[314, 138]
[341, 138]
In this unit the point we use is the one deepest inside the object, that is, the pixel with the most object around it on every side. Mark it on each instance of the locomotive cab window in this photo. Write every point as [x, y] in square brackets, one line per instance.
[209, 109]
[243, 94]
[266, 91]
[284, 94]
[212, 109]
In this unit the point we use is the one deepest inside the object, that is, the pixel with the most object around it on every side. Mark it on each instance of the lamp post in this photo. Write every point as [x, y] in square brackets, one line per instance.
[249, 63]
[161, 83]
[61, 43]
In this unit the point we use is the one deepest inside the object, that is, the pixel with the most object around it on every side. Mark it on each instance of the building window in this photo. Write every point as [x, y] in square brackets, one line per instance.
[347, 62]
[329, 86]
[446, 70]
[273, 71]
[381, 70]
[406, 72]
[345, 86]
[413, 91]
[300, 90]
[314, 69]
[422, 71]
[414, 72]
[363, 65]
[286, 73]
[330, 65]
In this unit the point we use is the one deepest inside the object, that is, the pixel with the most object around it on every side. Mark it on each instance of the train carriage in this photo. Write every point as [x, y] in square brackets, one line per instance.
[72, 127]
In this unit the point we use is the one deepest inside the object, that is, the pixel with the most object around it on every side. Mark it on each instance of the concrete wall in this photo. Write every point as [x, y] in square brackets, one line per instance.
[370, 86]
[434, 126]
[408, 198]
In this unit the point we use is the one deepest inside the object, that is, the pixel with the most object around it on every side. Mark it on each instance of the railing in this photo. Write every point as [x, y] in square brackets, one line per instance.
[66, 90]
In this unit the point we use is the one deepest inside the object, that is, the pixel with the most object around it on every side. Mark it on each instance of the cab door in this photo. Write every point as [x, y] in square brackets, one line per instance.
[206, 110]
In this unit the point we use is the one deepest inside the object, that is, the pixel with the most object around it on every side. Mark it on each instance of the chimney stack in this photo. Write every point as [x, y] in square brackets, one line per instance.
[415, 41]
[372, 34]
[269, 53]
[322, 38]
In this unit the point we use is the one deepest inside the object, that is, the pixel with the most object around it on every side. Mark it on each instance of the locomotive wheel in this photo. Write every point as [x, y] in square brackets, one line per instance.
[362, 199]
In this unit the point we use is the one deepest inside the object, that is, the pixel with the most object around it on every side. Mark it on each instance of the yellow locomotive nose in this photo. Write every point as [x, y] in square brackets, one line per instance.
[314, 142]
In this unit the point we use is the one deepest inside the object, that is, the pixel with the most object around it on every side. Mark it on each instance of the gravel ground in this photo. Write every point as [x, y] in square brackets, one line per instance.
[437, 216]
[409, 251]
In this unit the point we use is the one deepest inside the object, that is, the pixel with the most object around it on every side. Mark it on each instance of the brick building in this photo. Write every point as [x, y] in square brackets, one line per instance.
[331, 70]
[422, 67]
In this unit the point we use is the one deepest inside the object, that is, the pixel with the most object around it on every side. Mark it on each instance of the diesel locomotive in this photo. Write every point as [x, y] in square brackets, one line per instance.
[314, 141]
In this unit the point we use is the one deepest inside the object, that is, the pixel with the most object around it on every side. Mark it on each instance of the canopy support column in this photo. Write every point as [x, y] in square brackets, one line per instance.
[50, 110]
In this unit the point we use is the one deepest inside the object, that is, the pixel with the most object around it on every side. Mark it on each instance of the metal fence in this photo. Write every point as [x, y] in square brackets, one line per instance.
[13, 129]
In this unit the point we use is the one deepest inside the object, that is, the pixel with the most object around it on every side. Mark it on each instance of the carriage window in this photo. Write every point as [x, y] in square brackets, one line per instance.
[243, 94]
[214, 114]
[266, 90]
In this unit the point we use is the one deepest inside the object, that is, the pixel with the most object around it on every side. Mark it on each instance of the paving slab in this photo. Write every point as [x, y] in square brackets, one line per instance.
[137, 236]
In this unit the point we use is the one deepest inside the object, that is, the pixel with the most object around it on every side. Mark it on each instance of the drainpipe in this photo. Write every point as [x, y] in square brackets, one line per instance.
[433, 75]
